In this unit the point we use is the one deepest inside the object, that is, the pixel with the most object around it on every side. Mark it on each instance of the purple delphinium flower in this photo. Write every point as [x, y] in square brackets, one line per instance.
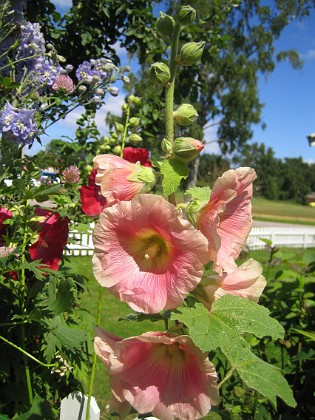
[47, 72]
[31, 43]
[18, 123]
[99, 69]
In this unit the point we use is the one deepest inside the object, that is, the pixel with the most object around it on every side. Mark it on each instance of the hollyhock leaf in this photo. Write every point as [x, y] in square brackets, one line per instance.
[221, 328]
[173, 172]
[60, 297]
[62, 335]
[199, 193]
[39, 269]
[40, 409]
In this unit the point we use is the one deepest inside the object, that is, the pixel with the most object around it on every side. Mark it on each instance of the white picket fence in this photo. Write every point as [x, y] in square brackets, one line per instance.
[282, 236]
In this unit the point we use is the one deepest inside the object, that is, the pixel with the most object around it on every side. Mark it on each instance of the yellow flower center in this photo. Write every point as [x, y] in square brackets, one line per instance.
[153, 250]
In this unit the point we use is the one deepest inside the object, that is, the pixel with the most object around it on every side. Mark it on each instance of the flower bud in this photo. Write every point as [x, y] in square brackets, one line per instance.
[82, 89]
[185, 115]
[134, 100]
[117, 150]
[186, 148]
[166, 146]
[165, 25]
[114, 91]
[61, 59]
[119, 127]
[96, 100]
[134, 138]
[185, 15]
[99, 92]
[146, 175]
[126, 80]
[134, 121]
[160, 73]
[190, 53]
[69, 68]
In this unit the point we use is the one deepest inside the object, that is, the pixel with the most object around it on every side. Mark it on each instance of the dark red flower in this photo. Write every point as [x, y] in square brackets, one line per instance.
[92, 202]
[4, 215]
[137, 154]
[52, 238]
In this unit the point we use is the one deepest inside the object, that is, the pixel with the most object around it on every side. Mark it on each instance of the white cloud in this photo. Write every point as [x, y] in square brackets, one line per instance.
[309, 55]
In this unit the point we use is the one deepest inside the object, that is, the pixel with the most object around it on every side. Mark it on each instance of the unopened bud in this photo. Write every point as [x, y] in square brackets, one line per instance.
[185, 115]
[99, 91]
[185, 15]
[61, 59]
[114, 91]
[160, 73]
[165, 25]
[96, 100]
[190, 53]
[166, 146]
[82, 89]
[146, 175]
[186, 148]
[134, 121]
[117, 150]
[119, 127]
[69, 68]
[134, 100]
[134, 138]
[126, 80]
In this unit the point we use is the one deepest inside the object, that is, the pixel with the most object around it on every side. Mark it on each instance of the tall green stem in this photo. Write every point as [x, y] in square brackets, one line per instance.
[123, 140]
[22, 303]
[99, 313]
[170, 88]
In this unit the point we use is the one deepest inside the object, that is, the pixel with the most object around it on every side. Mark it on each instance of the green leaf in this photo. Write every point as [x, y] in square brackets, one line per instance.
[199, 193]
[40, 409]
[62, 335]
[173, 172]
[60, 298]
[308, 334]
[221, 328]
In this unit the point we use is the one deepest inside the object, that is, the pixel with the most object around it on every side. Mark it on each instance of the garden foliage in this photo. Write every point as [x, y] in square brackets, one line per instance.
[164, 258]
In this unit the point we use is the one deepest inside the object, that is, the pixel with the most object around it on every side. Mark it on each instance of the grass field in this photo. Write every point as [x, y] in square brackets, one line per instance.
[282, 211]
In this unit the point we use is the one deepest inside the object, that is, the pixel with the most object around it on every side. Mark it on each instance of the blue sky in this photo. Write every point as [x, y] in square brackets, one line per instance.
[288, 95]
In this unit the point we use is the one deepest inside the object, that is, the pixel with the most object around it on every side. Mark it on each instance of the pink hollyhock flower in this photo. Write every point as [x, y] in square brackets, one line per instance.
[121, 180]
[226, 220]
[137, 154]
[246, 281]
[146, 254]
[52, 238]
[158, 373]
[92, 202]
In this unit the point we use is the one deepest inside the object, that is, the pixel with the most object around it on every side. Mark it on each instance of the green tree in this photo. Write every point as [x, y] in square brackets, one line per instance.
[269, 169]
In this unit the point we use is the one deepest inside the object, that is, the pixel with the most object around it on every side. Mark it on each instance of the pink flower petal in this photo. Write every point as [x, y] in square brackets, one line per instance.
[168, 376]
[147, 254]
[226, 220]
[246, 281]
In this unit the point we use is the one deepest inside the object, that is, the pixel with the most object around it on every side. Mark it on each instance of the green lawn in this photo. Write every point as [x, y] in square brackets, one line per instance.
[284, 211]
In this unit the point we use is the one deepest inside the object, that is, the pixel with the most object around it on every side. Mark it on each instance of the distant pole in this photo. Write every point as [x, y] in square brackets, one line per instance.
[311, 139]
